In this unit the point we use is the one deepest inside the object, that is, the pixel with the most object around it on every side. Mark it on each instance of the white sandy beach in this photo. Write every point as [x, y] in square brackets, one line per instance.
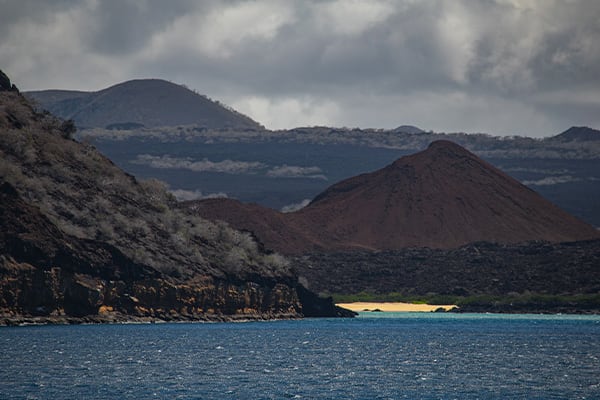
[393, 307]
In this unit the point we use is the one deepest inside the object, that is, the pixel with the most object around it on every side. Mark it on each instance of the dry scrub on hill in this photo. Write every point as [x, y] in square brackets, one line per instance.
[87, 196]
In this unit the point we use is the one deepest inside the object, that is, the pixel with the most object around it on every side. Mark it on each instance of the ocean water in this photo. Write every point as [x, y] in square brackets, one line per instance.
[375, 356]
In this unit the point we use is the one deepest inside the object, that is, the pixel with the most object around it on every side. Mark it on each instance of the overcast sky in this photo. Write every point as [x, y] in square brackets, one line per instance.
[526, 67]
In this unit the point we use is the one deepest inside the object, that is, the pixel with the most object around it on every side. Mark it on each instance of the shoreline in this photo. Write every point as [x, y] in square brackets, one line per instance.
[119, 318]
[394, 307]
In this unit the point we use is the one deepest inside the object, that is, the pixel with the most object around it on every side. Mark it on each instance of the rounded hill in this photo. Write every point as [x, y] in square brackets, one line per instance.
[443, 197]
[141, 102]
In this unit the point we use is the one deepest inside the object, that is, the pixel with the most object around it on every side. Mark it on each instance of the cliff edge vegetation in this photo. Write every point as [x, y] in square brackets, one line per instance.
[83, 241]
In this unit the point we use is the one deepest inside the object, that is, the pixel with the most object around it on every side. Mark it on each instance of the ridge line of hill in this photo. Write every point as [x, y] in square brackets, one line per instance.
[141, 103]
[442, 197]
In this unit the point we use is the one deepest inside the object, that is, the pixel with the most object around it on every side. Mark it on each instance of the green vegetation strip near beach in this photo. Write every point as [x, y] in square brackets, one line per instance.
[533, 301]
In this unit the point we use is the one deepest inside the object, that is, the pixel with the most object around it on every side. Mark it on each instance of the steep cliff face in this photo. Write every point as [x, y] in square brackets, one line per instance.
[47, 274]
[81, 239]
[59, 295]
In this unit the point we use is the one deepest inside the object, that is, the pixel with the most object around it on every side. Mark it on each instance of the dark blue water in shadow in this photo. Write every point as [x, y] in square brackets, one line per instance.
[380, 356]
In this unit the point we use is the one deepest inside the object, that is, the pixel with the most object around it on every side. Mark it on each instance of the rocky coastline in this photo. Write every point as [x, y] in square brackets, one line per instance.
[81, 241]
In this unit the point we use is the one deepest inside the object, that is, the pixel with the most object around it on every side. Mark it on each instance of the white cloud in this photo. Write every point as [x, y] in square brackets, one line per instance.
[293, 171]
[205, 165]
[457, 37]
[351, 17]
[583, 97]
[557, 180]
[289, 112]
[223, 30]
[295, 206]
[187, 195]
[229, 167]
[451, 109]
[329, 62]
[551, 180]
[51, 52]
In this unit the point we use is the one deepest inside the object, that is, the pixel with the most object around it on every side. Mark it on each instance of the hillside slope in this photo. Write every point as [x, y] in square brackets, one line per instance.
[140, 103]
[82, 239]
[577, 134]
[443, 197]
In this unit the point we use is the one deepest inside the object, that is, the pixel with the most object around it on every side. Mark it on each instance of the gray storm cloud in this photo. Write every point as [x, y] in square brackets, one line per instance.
[505, 67]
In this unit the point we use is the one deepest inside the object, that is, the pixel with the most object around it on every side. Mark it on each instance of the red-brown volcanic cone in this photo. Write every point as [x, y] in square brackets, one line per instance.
[442, 197]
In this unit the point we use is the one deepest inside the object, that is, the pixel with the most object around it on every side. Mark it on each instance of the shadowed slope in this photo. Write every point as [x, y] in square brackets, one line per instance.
[147, 102]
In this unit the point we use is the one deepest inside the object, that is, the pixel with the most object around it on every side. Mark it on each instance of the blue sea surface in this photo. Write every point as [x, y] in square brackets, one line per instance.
[374, 356]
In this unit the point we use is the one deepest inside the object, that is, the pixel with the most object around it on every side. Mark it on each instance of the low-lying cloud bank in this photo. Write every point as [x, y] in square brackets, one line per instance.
[205, 165]
[557, 180]
[296, 206]
[187, 195]
[293, 171]
[229, 167]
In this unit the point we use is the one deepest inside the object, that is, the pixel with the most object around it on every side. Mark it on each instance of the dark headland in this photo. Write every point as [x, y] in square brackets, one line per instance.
[82, 241]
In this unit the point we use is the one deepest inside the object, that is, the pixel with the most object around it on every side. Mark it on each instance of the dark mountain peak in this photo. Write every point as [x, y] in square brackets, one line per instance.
[440, 155]
[149, 85]
[445, 148]
[408, 129]
[446, 145]
[141, 102]
[578, 134]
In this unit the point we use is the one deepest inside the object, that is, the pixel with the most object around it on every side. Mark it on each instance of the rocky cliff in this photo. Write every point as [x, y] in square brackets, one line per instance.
[82, 241]
[46, 273]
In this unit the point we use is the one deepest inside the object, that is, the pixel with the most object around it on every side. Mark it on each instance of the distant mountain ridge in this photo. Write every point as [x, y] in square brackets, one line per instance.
[143, 103]
[578, 134]
[564, 171]
[443, 197]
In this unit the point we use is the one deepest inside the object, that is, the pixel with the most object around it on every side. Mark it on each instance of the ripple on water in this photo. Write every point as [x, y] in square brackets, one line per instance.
[415, 356]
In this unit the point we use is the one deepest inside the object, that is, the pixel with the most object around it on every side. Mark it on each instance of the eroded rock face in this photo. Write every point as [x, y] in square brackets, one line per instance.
[26, 291]
[47, 274]
[55, 295]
